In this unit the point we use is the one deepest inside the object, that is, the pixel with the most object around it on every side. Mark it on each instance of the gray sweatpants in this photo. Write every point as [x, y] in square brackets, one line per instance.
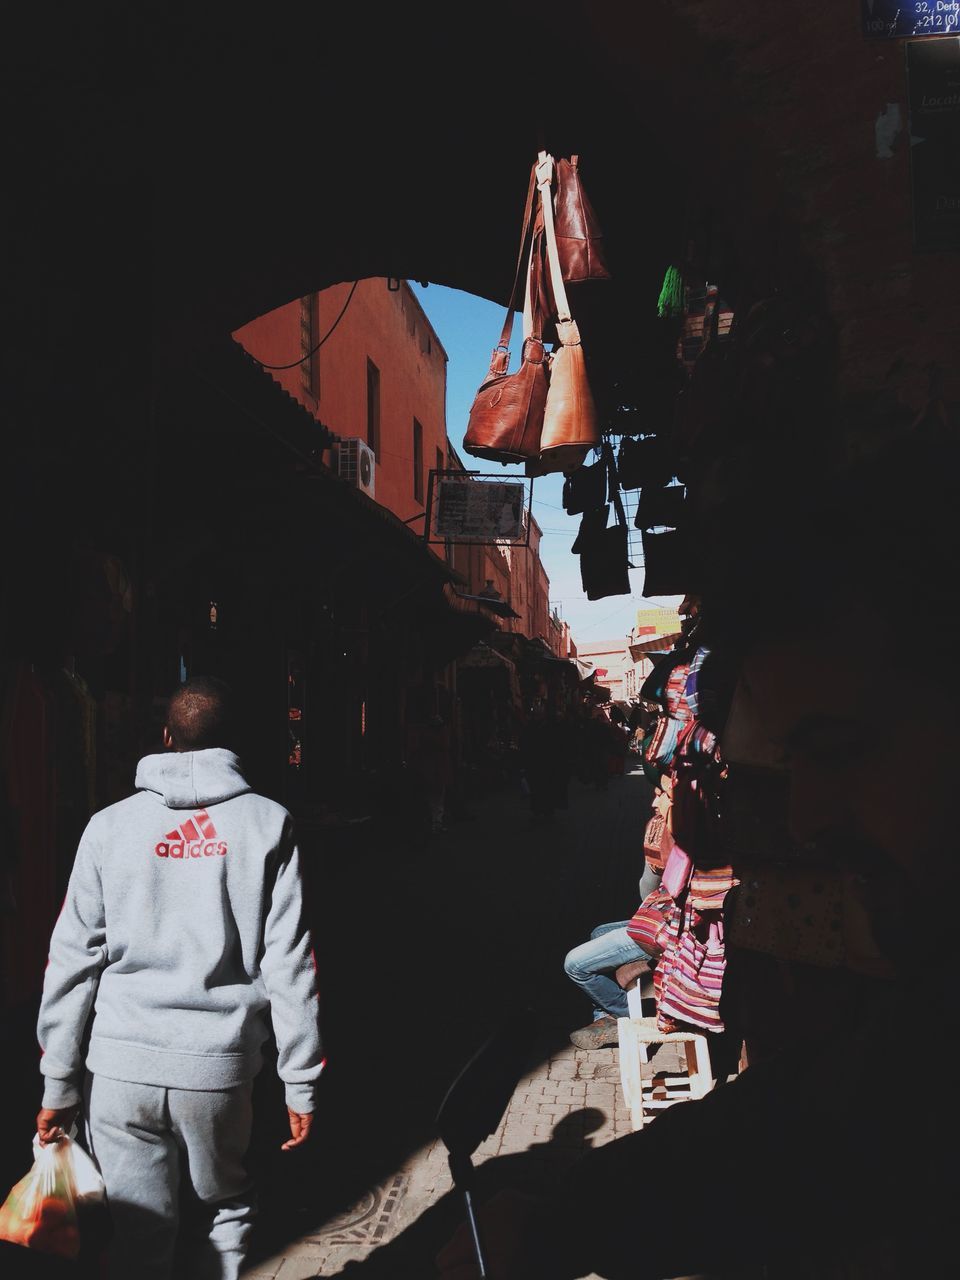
[159, 1149]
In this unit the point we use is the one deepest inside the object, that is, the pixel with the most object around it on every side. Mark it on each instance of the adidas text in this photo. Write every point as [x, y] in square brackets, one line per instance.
[198, 849]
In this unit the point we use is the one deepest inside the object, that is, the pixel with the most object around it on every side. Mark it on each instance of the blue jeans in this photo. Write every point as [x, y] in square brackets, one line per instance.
[591, 966]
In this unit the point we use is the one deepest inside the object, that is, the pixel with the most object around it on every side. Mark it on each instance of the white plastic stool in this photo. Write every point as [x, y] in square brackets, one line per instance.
[635, 1034]
[636, 980]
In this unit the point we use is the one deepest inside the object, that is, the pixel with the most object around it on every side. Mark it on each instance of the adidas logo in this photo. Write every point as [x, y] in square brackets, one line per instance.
[195, 838]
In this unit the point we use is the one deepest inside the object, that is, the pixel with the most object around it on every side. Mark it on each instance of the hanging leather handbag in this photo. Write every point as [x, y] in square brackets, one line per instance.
[604, 564]
[660, 508]
[645, 461]
[591, 528]
[666, 563]
[579, 238]
[506, 417]
[585, 489]
[604, 552]
[570, 426]
[507, 414]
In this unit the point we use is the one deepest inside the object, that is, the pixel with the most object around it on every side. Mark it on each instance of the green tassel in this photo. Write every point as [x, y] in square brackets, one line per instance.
[670, 302]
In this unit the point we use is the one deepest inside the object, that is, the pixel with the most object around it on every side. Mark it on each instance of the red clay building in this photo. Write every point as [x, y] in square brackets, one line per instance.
[380, 377]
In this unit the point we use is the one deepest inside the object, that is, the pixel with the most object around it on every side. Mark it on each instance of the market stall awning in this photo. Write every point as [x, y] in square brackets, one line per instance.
[482, 655]
[499, 607]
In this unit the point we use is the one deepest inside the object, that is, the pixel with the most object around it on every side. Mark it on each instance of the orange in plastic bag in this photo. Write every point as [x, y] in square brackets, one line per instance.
[40, 1212]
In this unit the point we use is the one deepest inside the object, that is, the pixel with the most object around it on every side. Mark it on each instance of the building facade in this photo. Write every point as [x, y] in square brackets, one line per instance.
[371, 369]
[364, 360]
[615, 668]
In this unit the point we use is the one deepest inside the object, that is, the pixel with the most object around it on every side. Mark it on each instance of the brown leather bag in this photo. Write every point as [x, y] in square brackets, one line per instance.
[506, 416]
[570, 427]
[579, 237]
[544, 414]
[507, 412]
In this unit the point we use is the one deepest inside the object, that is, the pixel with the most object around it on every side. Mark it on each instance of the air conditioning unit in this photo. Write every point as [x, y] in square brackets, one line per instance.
[356, 463]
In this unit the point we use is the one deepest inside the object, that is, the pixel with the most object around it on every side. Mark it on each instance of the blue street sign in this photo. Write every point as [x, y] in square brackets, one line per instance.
[896, 19]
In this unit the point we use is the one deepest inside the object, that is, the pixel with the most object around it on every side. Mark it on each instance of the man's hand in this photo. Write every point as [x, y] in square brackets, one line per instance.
[503, 1224]
[299, 1129]
[52, 1125]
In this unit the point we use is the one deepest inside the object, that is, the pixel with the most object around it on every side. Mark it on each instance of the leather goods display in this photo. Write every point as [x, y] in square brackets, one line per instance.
[604, 564]
[660, 508]
[591, 529]
[579, 238]
[544, 414]
[507, 414]
[604, 552]
[644, 461]
[506, 417]
[570, 426]
[585, 489]
[666, 563]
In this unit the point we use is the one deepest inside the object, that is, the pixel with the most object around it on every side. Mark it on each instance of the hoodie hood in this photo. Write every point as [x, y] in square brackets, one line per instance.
[188, 779]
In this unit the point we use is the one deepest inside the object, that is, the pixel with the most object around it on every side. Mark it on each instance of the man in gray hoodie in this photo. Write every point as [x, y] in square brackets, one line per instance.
[182, 939]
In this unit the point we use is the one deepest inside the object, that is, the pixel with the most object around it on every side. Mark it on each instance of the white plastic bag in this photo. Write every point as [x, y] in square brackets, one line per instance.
[86, 1176]
[41, 1212]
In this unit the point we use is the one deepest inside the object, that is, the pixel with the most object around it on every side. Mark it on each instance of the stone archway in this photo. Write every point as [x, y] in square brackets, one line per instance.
[191, 173]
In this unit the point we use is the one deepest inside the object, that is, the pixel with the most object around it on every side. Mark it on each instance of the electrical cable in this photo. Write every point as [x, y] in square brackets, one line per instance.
[315, 349]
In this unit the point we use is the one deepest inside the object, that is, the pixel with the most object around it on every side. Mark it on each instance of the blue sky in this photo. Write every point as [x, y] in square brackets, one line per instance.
[469, 328]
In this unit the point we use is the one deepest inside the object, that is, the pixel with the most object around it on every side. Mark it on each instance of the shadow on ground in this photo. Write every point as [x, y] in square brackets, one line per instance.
[421, 956]
[412, 1253]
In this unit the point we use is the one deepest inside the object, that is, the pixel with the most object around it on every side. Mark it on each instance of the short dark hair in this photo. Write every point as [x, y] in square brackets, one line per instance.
[200, 714]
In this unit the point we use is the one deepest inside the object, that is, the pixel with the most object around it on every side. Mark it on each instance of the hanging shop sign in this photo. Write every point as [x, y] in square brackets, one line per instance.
[470, 507]
[933, 84]
[897, 19]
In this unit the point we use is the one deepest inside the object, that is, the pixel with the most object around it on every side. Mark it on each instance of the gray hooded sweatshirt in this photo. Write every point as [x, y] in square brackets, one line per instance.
[182, 937]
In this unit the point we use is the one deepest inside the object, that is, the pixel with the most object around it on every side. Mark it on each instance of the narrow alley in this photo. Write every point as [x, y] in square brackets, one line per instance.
[456, 538]
[420, 957]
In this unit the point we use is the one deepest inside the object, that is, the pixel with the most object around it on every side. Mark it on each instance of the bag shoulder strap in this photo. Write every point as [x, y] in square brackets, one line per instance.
[532, 319]
[526, 230]
[544, 175]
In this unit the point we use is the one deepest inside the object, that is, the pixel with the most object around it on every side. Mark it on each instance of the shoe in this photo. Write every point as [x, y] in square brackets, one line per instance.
[597, 1035]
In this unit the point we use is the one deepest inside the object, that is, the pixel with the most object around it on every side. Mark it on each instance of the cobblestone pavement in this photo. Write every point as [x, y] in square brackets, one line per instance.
[573, 1099]
[578, 872]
